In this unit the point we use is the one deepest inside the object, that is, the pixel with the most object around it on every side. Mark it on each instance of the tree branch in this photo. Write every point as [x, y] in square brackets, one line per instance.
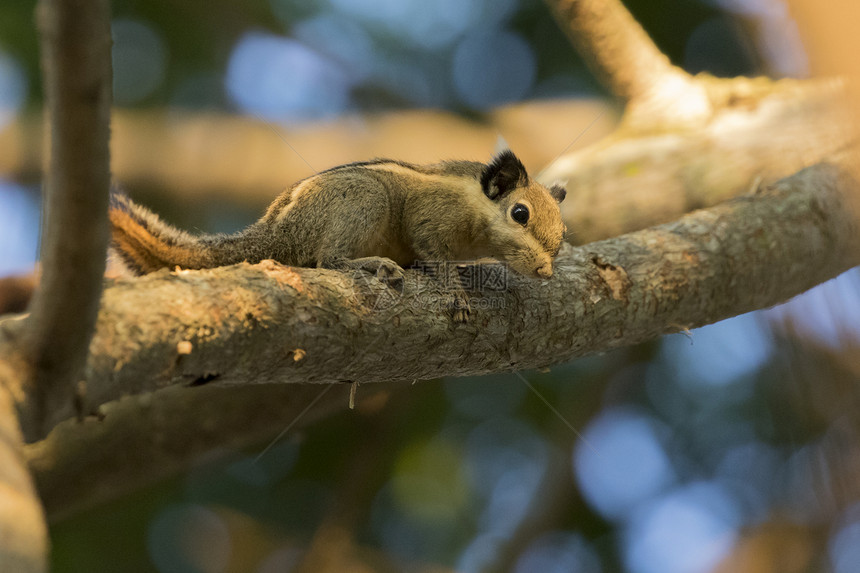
[267, 323]
[140, 439]
[208, 156]
[621, 54]
[46, 361]
[23, 535]
[691, 141]
[762, 132]
[76, 61]
[16, 292]
[271, 324]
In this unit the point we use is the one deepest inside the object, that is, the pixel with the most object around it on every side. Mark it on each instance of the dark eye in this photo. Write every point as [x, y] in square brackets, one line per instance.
[520, 214]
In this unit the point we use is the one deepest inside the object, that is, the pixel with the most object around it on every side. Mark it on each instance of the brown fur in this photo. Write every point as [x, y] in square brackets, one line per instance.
[450, 211]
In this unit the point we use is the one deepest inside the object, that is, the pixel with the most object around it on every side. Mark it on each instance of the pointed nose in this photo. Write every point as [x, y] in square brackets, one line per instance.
[545, 271]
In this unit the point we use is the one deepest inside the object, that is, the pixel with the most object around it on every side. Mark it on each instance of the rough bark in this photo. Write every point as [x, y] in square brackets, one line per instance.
[76, 60]
[272, 324]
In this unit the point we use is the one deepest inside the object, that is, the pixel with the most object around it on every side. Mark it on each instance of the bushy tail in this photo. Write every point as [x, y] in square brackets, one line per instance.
[145, 243]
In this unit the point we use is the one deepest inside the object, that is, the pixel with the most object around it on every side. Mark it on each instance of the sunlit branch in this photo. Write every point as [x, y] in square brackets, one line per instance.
[271, 324]
[621, 54]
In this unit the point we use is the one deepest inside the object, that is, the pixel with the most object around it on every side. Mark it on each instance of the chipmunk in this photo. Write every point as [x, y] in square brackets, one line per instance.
[378, 216]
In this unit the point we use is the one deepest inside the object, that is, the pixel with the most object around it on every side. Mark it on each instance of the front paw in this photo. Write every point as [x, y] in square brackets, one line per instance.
[382, 268]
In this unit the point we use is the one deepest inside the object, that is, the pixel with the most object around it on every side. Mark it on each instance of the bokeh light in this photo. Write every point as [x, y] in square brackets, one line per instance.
[405, 535]
[13, 88]
[748, 471]
[188, 537]
[428, 25]
[341, 39]
[284, 80]
[559, 552]
[427, 483]
[845, 543]
[417, 79]
[19, 229]
[492, 67]
[139, 60]
[479, 553]
[621, 462]
[689, 530]
[829, 314]
[506, 461]
[720, 353]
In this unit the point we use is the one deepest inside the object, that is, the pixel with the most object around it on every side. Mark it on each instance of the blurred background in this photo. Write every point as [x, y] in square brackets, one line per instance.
[733, 448]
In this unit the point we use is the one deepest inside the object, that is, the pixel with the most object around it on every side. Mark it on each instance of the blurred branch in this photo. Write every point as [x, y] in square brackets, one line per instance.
[547, 510]
[219, 156]
[684, 142]
[635, 178]
[140, 439]
[23, 534]
[621, 54]
[267, 323]
[762, 132]
[76, 61]
[47, 360]
[626, 182]
[16, 292]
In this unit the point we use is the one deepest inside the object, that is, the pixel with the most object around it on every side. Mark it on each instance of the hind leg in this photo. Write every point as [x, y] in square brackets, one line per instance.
[382, 268]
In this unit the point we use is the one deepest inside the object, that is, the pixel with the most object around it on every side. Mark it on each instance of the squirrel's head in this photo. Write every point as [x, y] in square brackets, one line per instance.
[530, 210]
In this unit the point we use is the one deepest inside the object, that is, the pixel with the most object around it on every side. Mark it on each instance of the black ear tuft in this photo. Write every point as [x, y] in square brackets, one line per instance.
[502, 175]
[558, 192]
